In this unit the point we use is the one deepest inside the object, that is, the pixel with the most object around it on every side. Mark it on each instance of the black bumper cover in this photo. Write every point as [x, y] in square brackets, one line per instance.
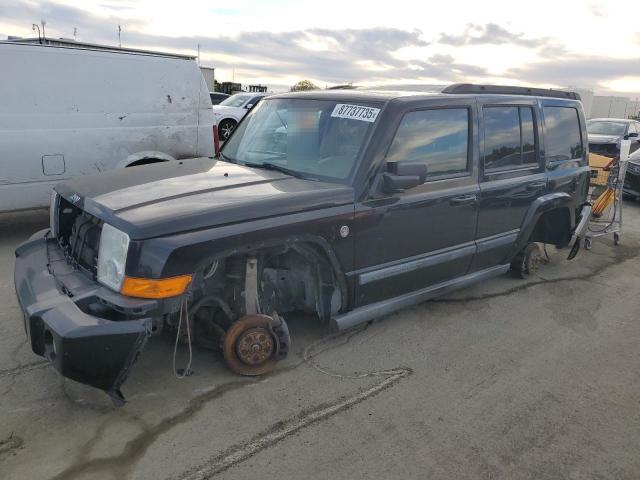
[83, 347]
[632, 180]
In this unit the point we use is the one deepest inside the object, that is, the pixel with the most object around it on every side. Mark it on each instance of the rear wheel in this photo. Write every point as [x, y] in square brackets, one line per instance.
[249, 346]
[527, 261]
[225, 128]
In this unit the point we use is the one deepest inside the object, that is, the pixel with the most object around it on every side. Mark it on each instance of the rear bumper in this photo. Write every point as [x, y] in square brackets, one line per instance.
[57, 302]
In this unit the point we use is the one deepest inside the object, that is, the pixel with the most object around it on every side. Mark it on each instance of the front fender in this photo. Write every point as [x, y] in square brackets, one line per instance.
[539, 207]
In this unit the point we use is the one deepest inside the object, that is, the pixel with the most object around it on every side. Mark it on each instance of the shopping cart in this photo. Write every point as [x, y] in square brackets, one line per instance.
[605, 195]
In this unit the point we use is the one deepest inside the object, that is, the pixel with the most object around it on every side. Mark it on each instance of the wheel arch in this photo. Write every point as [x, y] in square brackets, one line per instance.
[546, 219]
[147, 156]
[312, 248]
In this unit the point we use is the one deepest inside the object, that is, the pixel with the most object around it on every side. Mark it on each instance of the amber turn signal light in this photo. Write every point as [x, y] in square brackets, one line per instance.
[151, 288]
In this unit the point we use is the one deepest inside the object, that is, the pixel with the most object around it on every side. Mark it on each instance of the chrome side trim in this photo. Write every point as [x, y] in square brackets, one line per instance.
[499, 240]
[385, 307]
[430, 259]
[415, 263]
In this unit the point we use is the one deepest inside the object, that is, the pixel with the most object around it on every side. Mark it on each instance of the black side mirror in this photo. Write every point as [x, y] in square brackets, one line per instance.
[401, 176]
[631, 134]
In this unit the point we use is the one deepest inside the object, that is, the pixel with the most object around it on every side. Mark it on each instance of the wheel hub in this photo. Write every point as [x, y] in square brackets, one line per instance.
[534, 262]
[255, 346]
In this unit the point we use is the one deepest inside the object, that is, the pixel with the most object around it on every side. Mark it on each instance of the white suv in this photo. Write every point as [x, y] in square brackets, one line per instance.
[230, 111]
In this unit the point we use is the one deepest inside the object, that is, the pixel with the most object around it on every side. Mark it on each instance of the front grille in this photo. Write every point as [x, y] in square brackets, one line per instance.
[79, 236]
[633, 168]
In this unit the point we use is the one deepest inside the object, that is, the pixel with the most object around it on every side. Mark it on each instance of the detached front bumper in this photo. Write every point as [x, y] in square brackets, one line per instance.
[88, 333]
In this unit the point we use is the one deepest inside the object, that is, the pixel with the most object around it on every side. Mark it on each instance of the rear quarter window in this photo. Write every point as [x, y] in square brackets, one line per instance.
[563, 140]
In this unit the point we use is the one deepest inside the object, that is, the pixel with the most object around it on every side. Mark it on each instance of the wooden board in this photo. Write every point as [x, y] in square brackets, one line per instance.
[597, 163]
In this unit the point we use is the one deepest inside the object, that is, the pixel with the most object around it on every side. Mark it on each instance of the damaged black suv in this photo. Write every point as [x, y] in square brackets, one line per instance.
[346, 204]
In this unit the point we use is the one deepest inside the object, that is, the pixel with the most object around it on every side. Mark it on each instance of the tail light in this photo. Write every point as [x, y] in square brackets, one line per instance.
[216, 140]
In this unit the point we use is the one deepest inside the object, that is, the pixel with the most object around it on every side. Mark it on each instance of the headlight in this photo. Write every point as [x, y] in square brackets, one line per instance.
[53, 213]
[112, 256]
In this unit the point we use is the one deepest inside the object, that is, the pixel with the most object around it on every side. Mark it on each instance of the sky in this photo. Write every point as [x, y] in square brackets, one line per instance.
[586, 44]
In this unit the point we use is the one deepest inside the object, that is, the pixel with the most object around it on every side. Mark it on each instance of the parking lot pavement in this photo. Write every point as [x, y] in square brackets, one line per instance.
[508, 379]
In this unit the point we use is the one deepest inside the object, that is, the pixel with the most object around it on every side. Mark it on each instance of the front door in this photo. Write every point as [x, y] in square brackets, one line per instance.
[425, 235]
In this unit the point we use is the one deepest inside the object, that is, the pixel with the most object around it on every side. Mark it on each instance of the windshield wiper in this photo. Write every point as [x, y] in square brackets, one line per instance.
[273, 166]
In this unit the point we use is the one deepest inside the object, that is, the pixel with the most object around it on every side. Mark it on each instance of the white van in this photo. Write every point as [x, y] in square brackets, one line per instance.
[66, 112]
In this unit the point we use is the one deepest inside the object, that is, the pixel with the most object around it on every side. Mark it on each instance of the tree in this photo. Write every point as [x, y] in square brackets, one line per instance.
[304, 85]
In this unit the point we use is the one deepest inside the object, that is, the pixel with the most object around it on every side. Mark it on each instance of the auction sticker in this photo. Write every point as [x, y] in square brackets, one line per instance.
[355, 112]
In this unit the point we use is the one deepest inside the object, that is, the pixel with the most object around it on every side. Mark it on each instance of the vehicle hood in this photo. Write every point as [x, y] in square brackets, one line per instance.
[595, 138]
[162, 199]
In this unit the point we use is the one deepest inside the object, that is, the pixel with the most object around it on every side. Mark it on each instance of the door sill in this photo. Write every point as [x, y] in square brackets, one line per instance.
[385, 307]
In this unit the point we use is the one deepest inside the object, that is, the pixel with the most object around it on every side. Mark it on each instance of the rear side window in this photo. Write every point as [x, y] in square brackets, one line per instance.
[438, 138]
[562, 133]
[509, 137]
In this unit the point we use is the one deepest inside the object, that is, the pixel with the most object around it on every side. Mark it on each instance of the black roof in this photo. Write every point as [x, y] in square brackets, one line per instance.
[364, 94]
[470, 88]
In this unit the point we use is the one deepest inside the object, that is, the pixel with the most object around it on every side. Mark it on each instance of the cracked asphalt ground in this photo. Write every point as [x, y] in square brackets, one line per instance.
[509, 379]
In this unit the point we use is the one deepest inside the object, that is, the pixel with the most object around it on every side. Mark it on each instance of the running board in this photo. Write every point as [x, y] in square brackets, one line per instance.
[385, 307]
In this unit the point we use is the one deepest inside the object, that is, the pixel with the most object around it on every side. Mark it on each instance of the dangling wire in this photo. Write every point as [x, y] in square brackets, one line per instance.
[184, 308]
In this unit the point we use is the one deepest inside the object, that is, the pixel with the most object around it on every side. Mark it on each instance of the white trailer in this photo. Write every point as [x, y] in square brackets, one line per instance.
[68, 111]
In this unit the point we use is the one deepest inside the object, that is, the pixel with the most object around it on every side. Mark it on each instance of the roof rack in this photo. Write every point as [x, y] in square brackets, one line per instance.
[461, 88]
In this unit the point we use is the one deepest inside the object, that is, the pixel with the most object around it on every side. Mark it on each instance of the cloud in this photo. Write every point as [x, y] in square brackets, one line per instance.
[597, 10]
[439, 58]
[89, 26]
[490, 34]
[581, 70]
[328, 55]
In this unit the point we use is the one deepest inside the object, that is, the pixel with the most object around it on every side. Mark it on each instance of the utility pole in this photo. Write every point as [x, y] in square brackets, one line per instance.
[119, 37]
[34, 27]
[75, 33]
[44, 34]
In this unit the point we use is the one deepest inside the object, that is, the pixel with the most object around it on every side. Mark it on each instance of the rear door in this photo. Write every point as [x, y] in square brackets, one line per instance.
[512, 175]
[425, 235]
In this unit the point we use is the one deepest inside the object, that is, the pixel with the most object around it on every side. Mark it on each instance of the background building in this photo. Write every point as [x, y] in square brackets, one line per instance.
[609, 106]
[587, 98]
[209, 74]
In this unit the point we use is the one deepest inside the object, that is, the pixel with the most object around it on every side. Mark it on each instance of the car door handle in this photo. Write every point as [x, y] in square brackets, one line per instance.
[536, 186]
[463, 200]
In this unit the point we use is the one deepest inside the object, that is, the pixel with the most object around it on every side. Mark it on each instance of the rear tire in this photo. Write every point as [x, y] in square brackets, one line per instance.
[527, 261]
